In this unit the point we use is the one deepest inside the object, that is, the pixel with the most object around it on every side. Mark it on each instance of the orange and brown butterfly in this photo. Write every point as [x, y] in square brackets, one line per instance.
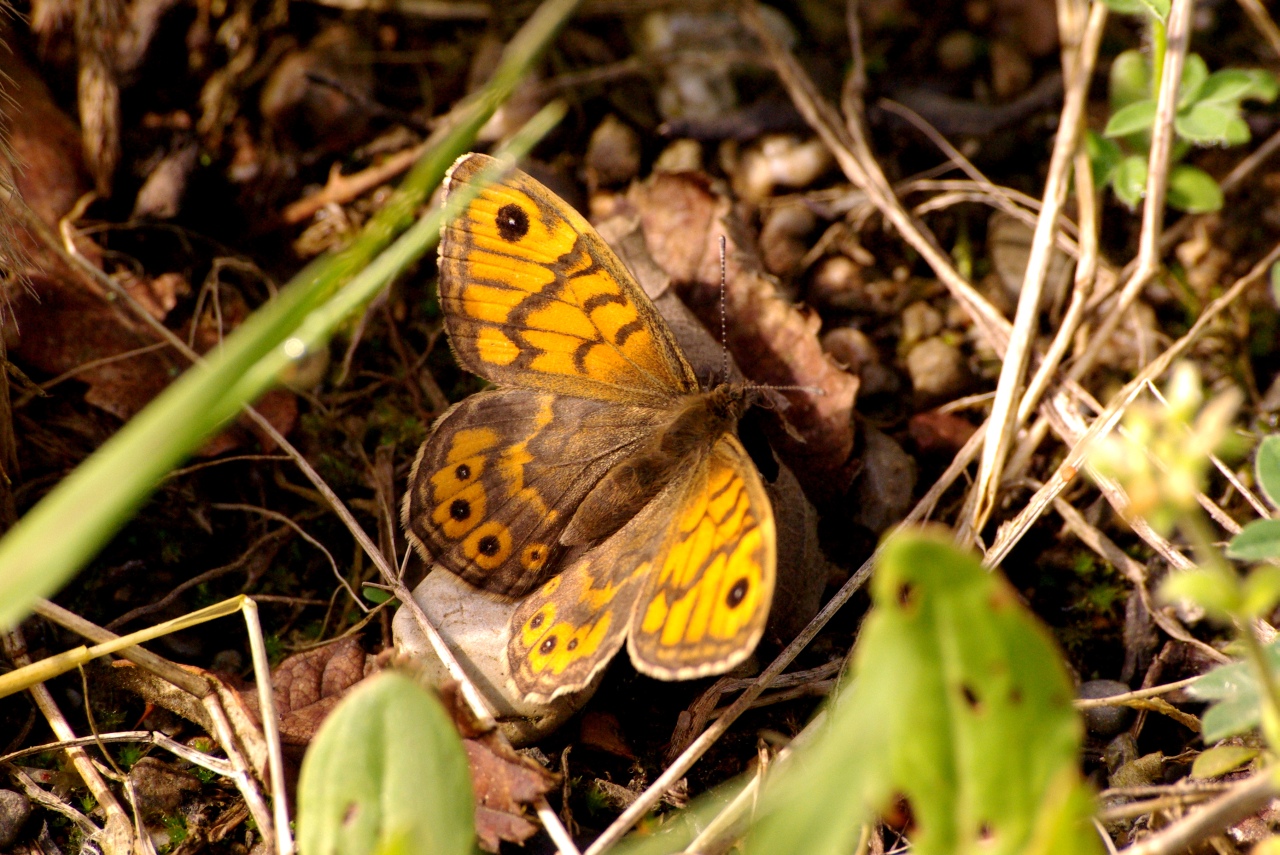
[597, 481]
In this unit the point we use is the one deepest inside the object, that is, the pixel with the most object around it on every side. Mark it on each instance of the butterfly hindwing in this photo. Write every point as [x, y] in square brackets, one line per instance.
[704, 606]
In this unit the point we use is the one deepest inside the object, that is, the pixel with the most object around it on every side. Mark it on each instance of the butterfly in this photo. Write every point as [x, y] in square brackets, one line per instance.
[599, 482]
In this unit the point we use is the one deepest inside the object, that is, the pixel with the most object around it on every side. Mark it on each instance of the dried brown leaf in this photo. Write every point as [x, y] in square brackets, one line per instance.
[306, 686]
[775, 342]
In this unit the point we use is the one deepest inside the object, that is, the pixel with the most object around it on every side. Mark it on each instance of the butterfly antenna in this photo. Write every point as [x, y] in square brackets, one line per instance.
[724, 323]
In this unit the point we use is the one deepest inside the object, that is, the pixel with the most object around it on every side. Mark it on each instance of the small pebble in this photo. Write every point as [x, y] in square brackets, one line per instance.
[14, 810]
[1105, 721]
[957, 50]
[885, 487]
[920, 321]
[681, 156]
[781, 161]
[613, 154]
[837, 283]
[851, 347]
[937, 369]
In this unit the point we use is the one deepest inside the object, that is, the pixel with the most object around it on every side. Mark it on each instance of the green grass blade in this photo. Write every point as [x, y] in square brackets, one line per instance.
[76, 519]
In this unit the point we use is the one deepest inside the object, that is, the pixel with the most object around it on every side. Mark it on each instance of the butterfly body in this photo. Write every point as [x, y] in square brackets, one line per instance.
[598, 481]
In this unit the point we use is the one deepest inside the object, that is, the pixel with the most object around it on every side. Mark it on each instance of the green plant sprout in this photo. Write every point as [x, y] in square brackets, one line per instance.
[1208, 113]
[1181, 437]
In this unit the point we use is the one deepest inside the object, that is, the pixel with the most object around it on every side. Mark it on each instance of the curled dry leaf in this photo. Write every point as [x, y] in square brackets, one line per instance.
[306, 686]
[775, 341]
[505, 783]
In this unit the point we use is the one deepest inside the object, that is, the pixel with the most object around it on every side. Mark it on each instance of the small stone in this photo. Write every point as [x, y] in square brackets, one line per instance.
[851, 347]
[1105, 721]
[14, 810]
[937, 370]
[782, 239]
[837, 283]
[920, 321]
[878, 379]
[884, 489]
[781, 161]
[161, 788]
[613, 154]
[957, 50]
[683, 155]
[1011, 71]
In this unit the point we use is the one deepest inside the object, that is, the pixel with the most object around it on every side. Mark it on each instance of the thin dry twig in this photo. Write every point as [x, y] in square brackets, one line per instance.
[1017, 356]
[1248, 797]
[117, 834]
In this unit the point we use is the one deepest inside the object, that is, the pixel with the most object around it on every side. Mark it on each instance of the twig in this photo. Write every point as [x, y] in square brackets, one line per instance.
[1245, 798]
[1004, 409]
[117, 834]
[270, 728]
[1081, 440]
[1147, 264]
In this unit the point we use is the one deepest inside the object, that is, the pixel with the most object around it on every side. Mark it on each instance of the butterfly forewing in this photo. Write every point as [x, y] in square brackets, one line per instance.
[533, 297]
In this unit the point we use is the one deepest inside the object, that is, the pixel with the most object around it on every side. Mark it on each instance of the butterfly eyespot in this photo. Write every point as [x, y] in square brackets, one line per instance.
[460, 509]
[534, 556]
[547, 646]
[489, 545]
[737, 593]
[536, 621]
[572, 645]
[463, 472]
[512, 222]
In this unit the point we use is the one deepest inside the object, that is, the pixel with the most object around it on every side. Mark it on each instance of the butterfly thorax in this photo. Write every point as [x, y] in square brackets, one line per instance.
[685, 433]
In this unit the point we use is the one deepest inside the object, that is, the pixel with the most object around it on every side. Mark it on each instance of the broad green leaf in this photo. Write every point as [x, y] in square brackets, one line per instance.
[1261, 590]
[1130, 180]
[1221, 759]
[1218, 592]
[1193, 190]
[1104, 157]
[386, 773]
[1233, 85]
[1206, 122]
[1258, 541]
[1233, 691]
[1195, 71]
[1267, 462]
[1158, 9]
[1129, 80]
[1137, 117]
[959, 703]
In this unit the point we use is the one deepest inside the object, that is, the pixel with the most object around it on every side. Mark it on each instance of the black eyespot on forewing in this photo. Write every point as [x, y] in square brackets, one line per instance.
[572, 645]
[737, 593]
[512, 222]
[463, 472]
[460, 509]
[547, 646]
[489, 545]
